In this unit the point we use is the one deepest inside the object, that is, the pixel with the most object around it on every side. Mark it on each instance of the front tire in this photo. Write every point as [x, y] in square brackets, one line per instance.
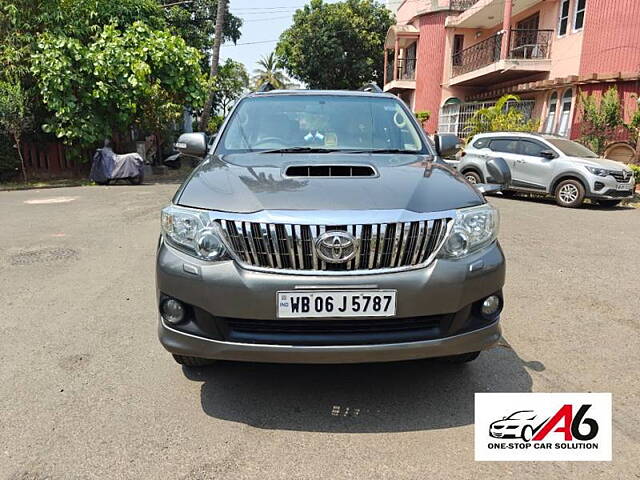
[473, 177]
[527, 433]
[570, 193]
[608, 203]
[193, 361]
[136, 180]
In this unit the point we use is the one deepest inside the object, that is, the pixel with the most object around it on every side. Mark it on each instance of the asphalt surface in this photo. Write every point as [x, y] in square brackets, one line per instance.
[86, 391]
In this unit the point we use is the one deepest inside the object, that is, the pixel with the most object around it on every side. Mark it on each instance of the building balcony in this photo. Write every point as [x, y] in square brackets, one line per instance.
[484, 13]
[400, 58]
[528, 53]
[461, 5]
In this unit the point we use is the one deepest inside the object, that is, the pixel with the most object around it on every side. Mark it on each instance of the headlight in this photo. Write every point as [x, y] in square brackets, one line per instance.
[473, 229]
[194, 233]
[601, 172]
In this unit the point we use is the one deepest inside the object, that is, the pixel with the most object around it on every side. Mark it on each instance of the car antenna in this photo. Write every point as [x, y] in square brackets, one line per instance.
[371, 88]
[266, 87]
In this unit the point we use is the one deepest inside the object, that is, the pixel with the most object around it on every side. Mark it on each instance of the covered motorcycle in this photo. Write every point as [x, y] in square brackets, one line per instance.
[108, 166]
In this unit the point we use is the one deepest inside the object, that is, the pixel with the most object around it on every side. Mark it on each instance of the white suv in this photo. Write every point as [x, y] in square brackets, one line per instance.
[549, 164]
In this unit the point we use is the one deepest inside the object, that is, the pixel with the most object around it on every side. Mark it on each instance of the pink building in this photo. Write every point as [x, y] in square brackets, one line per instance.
[451, 57]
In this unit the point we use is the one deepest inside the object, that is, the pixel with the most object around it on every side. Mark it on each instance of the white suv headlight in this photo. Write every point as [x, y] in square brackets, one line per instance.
[194, 233]
[473, 229]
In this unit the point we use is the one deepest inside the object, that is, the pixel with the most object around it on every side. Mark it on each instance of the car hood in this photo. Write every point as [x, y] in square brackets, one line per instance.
[599, 162]
[246, 183]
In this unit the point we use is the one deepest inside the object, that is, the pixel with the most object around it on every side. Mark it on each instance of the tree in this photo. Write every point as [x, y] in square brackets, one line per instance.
[215, 60]
[230, 83]
[504, 116]
[601, 119]
[337, 45]
[195, 21]
[269, 73]
[138, 76]
[13, 115]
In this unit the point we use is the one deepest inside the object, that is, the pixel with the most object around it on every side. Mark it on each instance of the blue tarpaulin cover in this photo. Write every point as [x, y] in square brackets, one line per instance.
[109, 166]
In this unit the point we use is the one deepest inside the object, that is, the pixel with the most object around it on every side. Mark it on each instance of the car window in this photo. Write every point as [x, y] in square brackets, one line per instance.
[533, 149]
[505, 145]
[571, 148]
[336, 122]
[481, 143]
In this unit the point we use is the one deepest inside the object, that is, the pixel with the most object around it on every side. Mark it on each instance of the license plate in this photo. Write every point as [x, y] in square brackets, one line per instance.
[352, 303]
[623, 186]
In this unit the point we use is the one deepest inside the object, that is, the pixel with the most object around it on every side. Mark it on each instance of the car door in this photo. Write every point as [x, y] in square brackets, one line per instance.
[507, 148]
[534, 170]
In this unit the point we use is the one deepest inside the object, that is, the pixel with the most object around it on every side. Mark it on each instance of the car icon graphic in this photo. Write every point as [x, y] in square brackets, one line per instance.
[521, 424]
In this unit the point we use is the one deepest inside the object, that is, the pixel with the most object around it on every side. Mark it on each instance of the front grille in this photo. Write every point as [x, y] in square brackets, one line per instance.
[293, 247]
[620, 176]
[337, 332]
[618, 193]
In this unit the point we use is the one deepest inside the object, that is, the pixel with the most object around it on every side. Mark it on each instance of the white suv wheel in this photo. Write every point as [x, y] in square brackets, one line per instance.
[569, 193]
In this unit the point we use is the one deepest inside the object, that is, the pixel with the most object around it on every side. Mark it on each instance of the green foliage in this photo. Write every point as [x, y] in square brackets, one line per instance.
[13, 114]
[502, 117]
[337, 45]
[230, 83]
[636, 172]
[269, 73]
[137, 76]
[195, 21]
[423, 116]
[600, 119]
[215, 122]
[9, 160]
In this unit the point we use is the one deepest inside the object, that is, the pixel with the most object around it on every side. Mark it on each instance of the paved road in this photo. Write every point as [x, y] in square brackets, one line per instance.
[87, 392]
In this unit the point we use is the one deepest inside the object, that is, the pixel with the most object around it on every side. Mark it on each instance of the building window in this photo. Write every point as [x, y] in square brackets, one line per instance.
[565, 114]
[563, 24]
[551, 113]
[578, 20]
[448, 121]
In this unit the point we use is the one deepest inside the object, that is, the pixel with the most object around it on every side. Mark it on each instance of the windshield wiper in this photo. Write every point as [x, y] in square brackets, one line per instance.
[383, 150]
[300, 150]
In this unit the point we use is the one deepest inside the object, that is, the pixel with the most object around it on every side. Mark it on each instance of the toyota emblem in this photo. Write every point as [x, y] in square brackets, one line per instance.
[336, 247]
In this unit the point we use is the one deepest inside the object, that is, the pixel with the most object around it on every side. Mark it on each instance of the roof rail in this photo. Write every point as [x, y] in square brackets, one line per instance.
[266, 87]
[370, 87]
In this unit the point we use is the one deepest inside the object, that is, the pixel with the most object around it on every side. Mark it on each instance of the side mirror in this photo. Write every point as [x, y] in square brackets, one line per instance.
[499, 171]
[548, 154]
[192, 144]
[447, 144]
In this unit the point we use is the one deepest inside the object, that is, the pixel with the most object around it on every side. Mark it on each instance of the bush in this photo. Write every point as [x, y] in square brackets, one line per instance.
[9, 161]
[636, 172]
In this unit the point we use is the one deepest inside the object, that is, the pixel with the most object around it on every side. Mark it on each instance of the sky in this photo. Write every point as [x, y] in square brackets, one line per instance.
[263, 22]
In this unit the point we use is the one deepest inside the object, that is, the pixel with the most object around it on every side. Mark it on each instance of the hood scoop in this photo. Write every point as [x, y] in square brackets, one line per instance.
[330, 171]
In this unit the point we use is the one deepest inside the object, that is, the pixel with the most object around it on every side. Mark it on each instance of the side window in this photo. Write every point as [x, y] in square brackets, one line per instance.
[530, 148]
[504, 145]
[481, 143]
[563, 22]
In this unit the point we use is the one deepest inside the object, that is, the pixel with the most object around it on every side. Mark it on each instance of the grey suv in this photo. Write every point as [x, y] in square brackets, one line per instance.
[549, 164]
[322, 227]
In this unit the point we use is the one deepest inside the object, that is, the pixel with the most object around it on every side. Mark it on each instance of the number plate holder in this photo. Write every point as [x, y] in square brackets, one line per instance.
[336, 303]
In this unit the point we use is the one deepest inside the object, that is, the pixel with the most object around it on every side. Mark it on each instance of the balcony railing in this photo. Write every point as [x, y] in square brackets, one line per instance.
[406, 69]
[523, 44]
[461, 5]
[477, 56]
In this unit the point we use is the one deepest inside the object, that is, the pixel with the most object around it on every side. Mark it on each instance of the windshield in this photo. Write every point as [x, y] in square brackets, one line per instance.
[526, 415]
[571, 148]
[287, 123]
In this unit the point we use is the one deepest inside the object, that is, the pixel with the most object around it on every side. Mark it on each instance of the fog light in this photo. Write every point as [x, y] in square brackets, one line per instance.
[490, 306]
[172, 311]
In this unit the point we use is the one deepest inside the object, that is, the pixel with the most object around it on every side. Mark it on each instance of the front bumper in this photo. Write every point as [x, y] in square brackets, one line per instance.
[605, 188]
[226, 291]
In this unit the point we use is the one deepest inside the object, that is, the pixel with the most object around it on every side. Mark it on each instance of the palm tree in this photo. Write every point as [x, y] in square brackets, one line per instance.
[270, 73]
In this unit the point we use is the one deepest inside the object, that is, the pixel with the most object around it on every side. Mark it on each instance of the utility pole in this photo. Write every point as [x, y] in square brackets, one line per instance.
[215, 59]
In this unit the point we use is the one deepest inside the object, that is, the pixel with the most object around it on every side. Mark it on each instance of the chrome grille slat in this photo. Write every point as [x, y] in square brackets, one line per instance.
[291, 247]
